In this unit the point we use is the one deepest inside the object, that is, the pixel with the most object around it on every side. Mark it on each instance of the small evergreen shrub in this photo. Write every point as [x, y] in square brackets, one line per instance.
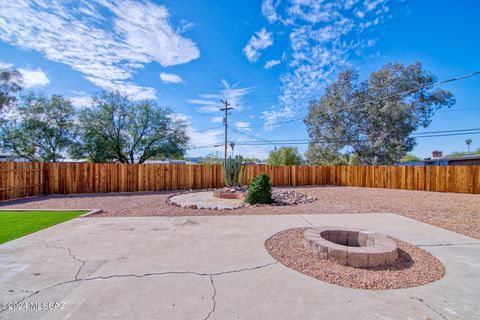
[260, 190]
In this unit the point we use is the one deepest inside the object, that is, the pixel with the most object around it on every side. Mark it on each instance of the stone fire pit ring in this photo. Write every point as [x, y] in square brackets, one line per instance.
[351, 247]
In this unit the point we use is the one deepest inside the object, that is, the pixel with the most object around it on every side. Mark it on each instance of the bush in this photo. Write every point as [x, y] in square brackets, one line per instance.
[259, 190]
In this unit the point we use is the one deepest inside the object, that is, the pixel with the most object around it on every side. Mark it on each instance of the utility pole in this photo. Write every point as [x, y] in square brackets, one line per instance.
[226, 108]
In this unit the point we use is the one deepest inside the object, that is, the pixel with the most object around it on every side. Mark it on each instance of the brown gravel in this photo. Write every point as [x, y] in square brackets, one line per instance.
[415, 267]
[454, 211]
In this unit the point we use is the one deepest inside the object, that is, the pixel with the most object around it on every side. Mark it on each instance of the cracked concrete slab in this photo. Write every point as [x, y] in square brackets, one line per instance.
[217, 268]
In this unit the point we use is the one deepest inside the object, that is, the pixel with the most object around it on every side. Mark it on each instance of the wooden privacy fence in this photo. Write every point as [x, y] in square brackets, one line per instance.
[28, 179]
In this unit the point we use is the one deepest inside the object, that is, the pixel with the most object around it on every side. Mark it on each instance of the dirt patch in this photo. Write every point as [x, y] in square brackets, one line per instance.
[414, 267]
[453, 211]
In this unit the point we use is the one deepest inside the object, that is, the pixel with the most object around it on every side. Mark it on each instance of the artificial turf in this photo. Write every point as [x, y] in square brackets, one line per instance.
[17, 223]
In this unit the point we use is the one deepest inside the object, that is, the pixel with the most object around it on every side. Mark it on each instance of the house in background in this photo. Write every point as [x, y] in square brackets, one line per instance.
[438, 160]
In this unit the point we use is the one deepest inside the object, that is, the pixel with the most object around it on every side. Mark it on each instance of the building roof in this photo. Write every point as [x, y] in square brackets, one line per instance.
[471, 157]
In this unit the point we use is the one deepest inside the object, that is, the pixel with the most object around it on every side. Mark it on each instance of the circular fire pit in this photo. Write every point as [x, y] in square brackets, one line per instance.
[353, 247]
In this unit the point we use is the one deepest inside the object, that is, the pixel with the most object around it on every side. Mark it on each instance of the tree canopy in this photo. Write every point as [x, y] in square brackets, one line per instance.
[10, 84]
[373, 118]
[42, 128]
[284, 156]
[410, 158]
[115, 127]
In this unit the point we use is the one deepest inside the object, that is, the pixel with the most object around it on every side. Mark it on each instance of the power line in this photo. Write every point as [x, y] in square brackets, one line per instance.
[306, 141]
[260, 143]
[463, 131]
[226, 108]
[208, 129]
[461, 109]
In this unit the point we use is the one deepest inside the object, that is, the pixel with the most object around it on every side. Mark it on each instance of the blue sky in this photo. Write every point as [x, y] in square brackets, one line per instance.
[268, 57]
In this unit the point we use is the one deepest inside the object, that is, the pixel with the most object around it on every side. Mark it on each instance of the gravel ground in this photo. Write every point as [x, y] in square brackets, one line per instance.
[454, 211]
[415, 267]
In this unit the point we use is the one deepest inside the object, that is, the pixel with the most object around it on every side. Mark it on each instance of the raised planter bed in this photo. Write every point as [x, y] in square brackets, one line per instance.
[229, 193]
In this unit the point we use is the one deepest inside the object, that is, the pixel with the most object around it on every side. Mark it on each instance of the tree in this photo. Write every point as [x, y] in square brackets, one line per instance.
[284, 156]
[375, 117]
[10, 83]
[211, 158]
[274, 158]
[455, 154]
[468, 142]
[42, 130]
[410, 158]
[321, 154]
[128, 131]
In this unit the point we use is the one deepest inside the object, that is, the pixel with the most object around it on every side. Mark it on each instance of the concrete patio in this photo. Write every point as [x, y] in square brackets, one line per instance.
[216, 267]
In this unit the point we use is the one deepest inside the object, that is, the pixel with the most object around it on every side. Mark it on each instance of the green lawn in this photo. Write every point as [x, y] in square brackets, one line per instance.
[17, 223]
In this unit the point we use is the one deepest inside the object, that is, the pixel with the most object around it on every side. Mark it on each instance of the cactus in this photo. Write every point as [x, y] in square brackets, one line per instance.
[232, 171]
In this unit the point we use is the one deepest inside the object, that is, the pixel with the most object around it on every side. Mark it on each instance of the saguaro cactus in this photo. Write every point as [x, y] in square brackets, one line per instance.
[232, 171]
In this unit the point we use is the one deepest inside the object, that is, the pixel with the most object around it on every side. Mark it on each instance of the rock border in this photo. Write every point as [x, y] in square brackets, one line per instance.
[413, 268]
[89, 213]
[244, 205]
[169, 201]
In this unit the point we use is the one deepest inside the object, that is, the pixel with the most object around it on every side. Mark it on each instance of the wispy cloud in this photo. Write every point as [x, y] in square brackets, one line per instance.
[33, 78]
[271, 63]
[323, 36]
[107, 41]
[258, 42]
[269, 10]
[30, 77]
[170, 78]
[210, 103]
[216, 119]
[4, 65]
[243, 126]
[205, 139]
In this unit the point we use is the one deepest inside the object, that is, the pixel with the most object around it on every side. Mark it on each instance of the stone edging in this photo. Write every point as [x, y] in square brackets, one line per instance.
[172, 203]
[353, 247]
[89, 213]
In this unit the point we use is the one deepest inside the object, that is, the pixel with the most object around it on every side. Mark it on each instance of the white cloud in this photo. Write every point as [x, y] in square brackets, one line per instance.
[269, 10]
[107, 41]
[270, 63]
[33, 78]
[4, 65]
[170, 78]
[216, 119]
[258, 42]
[206, 140]
[323, 36]
[30, 77]
[81, 101]
[210, 103]
[272, 117]
[372, 4]
[243, 126]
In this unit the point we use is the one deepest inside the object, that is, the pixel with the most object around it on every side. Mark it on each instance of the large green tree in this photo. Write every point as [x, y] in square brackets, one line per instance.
[118, 128]
[10, 84]
[284, 156]
[42, 128]
[374, 118]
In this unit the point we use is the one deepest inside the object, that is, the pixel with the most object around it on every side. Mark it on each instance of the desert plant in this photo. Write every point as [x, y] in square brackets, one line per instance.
[232, 171]
[259, 190]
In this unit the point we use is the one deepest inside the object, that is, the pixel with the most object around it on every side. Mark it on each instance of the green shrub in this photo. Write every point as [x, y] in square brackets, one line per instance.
[259, 190]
